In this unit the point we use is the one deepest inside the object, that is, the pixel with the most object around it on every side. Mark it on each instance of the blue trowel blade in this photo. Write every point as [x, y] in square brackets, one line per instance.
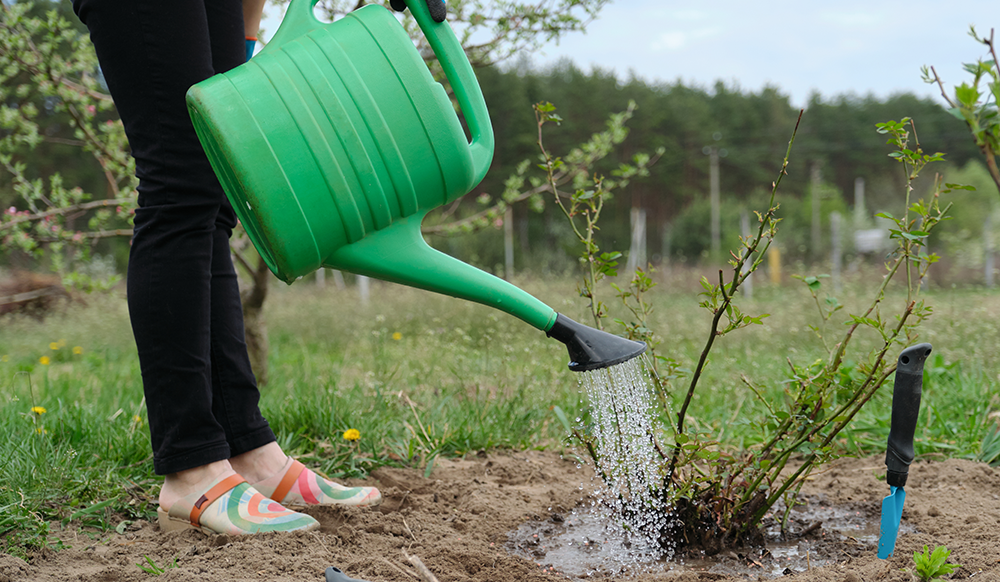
[892, 513]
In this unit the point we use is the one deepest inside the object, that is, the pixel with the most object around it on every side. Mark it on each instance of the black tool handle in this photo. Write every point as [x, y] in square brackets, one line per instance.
[905, 408]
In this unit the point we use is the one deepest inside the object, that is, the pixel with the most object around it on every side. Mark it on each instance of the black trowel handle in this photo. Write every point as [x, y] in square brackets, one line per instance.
[905, 408]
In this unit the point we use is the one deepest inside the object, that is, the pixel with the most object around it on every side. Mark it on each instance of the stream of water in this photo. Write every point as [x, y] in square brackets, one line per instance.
[623, 422]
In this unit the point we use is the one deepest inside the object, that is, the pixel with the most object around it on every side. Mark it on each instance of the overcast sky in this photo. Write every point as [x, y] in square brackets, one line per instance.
[832, 47]
[873, 46]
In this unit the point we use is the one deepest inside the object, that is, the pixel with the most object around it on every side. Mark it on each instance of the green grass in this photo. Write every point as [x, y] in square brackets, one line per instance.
[420, 376]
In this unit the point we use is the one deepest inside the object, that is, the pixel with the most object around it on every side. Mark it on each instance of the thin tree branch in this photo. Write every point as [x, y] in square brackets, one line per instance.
[64, 210]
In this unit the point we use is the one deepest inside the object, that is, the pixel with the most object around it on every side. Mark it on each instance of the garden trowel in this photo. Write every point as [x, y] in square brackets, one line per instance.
[899, 453]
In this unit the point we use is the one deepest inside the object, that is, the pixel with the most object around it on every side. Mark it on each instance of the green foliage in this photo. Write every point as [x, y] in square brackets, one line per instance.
[152, 569]
[52, 95]
[493, 31]
[582, 209]
[721, 497]
[934, 565]
[989, 449]
[976, 103]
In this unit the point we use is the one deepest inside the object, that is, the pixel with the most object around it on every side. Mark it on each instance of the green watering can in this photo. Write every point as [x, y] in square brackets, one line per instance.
[335, 141]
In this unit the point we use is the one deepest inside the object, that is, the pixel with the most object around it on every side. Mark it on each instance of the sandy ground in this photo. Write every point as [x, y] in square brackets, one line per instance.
[458, 522]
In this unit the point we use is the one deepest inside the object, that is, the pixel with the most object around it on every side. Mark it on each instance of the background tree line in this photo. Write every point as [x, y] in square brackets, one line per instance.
[750, 127]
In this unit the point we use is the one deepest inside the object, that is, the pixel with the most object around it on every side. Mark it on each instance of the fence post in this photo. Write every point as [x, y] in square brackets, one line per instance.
[508, 243]
[774, 264]
[637, 250]
[817, 228]
[860, 214]
[745, 230]
[713, 188]
[338, 280]
[363, 289]
[836, 253]
[666, 241]
[988, 247]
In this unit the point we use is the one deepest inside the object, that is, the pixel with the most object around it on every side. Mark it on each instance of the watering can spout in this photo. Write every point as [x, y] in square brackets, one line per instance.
[592, 349]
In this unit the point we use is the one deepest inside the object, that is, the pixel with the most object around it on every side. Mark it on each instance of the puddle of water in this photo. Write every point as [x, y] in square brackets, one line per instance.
[587, 544]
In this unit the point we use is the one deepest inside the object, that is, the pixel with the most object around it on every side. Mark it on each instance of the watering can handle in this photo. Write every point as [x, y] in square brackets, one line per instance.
[299, 20]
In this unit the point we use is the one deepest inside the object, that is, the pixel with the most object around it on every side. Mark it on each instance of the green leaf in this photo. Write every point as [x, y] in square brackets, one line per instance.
[562, 418]
[960, 187]
[93, 508]
[967, 95]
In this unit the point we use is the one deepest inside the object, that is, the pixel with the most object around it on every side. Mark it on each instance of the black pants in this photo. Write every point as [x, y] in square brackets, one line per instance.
[183, 296]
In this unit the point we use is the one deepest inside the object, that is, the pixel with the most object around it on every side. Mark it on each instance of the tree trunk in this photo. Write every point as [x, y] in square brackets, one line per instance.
[255, 327]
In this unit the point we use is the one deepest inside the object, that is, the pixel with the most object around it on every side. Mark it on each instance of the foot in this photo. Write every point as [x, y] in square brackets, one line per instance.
[184, 483]
[260, 463]
[229, 505]
[296, 486]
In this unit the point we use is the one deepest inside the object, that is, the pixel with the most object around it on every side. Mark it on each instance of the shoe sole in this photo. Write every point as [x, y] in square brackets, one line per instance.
[171, 524]
[364, 503]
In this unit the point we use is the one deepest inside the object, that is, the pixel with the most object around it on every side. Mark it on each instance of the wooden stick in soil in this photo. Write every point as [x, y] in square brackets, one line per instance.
[402, 571]
[425, 574]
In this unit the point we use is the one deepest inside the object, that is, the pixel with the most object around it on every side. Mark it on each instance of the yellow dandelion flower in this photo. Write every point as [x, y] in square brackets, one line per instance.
[53, 346]
[136, 419]
[41, 430]
[352, 434]
[397, 336]
[44, 360]
[77, 350]
[38, 409]
[5, 358]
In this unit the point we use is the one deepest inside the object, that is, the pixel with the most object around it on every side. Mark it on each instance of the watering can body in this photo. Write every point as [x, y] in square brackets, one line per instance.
[335, 141]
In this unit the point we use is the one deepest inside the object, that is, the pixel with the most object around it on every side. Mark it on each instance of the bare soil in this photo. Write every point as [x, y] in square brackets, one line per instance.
[459, 523]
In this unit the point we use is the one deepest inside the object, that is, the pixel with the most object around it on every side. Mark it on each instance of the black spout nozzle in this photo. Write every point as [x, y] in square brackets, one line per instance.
[591, 349]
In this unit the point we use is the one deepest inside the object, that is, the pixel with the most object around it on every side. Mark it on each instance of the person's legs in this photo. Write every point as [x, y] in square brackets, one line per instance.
[183, 295]
[183, 298]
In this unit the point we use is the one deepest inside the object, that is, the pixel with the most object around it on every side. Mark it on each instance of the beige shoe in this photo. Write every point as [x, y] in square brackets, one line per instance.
[232, 506]
[296, 486]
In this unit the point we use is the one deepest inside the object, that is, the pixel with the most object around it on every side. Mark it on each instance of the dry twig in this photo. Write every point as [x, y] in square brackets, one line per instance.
[425, 574]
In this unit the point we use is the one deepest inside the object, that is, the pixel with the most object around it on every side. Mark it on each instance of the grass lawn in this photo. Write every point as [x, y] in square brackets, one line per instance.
[421, 375]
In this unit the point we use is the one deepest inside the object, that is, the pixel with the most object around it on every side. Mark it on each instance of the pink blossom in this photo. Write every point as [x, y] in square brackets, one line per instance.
[12, 211]
[78, 237]
[91, 109]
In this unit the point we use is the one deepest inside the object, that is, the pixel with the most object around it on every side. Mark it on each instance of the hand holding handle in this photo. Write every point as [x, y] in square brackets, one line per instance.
[437, 8]
[905, 409]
